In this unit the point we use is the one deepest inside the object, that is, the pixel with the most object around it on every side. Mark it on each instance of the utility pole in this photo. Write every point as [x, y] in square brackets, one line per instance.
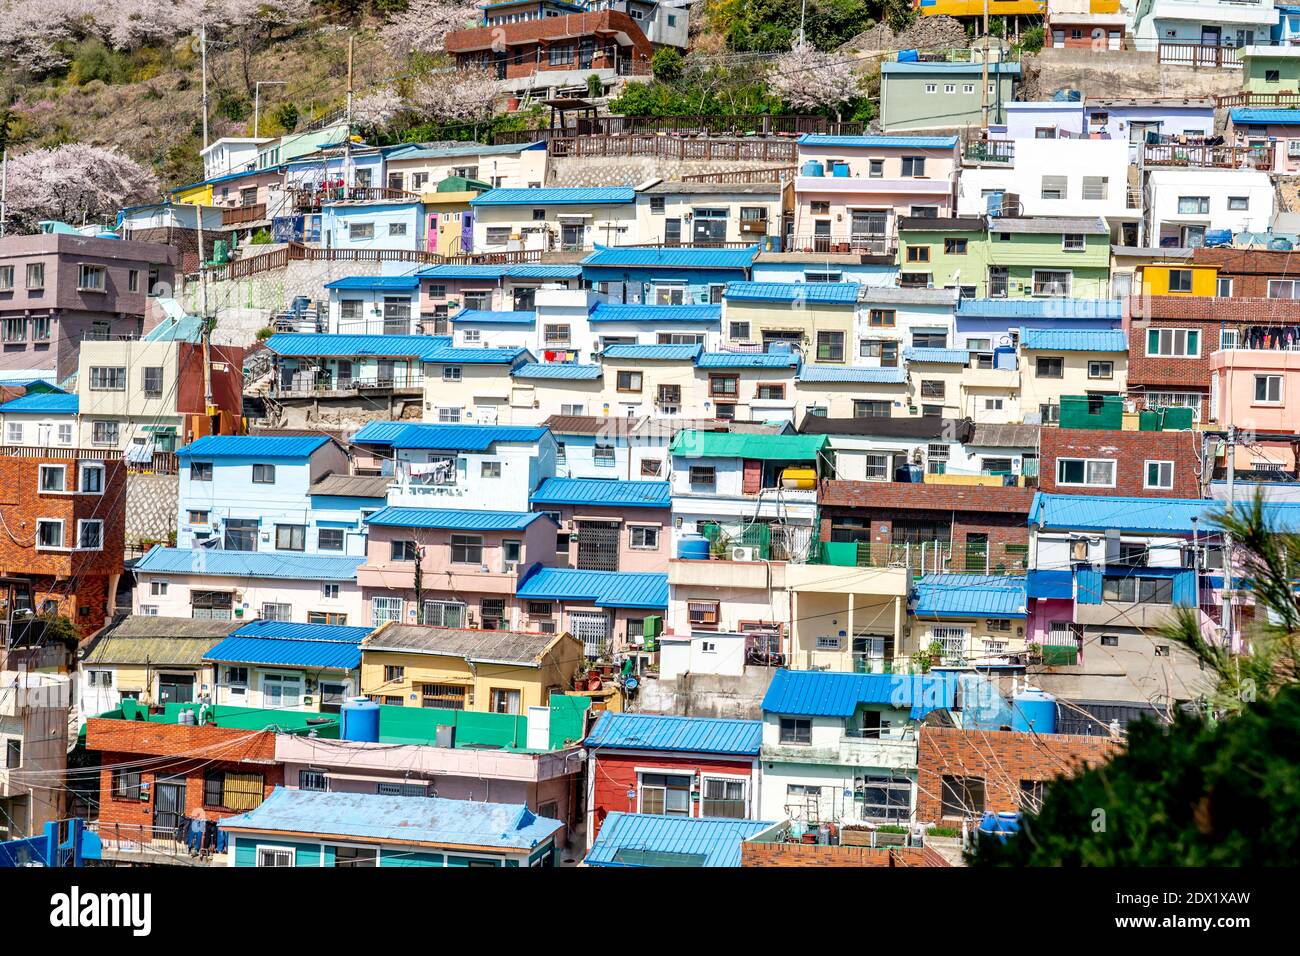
[419, 585]
[347, 147]
[206, 323]
[803, 13]
[984, 82]
[4, 190]
[1227, 601]
[203, 55]
[257, 102]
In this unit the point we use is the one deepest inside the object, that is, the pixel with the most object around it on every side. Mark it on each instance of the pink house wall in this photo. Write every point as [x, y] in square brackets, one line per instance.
[1236, 370]
[629, 559]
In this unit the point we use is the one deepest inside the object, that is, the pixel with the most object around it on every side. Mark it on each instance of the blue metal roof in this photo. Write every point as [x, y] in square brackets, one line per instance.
[845, 293]
[570, 371]
[252, 446]
[960, 67]
[852, 373]
[938, 356]
[1042, 308]
[904, 142]
[475, 356]
[248, 564]
[654, 839]
[970, 595]
[629, 731]
[603, 491]
[313, 344]
[833, 694]
[1144, 515]
[387, 283]
[654, 353]
[445, 437]
[491, 317]
[288, 630]
[747, 360]
[450, 150]
[287, 652]
[42, 403]
[452, 520]
[635, 589]
[656, 314]
[671, 257]
[579, 196]
[428, 820]
[1074, 340]
[544, 271]
[1248, 116]
[1050, 584]
[522, 271]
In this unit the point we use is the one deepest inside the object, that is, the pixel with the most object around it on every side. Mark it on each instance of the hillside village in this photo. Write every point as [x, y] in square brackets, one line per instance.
[822, 483]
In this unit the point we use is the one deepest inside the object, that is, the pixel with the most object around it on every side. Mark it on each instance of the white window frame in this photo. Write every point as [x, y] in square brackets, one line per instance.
[82, 468]
[1172, 334]
[63, 534]
[1088, 464]
[1146, 474]
[63, 479]
[277, 852]
[394, 606]
[81, 526]
[644, 529]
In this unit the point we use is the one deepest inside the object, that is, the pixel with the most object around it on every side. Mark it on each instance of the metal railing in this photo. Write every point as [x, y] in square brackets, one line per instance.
[1199, 55]
[297, 252]
[991, 151]
[146, 841]
[861, 244]
[1219, 157]
[314, 198]
[676, 148]
[772, 174]
[747, 125]
[55, 451]
[305, 383]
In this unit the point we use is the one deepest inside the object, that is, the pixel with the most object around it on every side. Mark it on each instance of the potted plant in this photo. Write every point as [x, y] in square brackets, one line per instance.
[1034, 651]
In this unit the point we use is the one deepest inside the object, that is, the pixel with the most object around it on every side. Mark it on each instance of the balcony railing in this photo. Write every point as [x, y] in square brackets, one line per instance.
[926, 557]
[235, 215]
[991, 151]
[755, 125]
[305, 383]
[55, 451]
[1282, 99]
[1218, 157]
[773, 174]
[149, 844]
[305, 200]
[866, 244]
[677, 148]
[1199, 55]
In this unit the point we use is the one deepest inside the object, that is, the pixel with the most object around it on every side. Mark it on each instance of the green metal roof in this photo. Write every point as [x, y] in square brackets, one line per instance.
[691, 443]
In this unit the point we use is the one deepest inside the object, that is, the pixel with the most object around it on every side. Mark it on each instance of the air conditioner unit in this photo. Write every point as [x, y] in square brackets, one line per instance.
[742, 554]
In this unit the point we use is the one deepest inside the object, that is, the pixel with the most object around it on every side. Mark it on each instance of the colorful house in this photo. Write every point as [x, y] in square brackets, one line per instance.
[664, 275]
[547, 219]
[971, 618]
[606, 610]
[608, 524]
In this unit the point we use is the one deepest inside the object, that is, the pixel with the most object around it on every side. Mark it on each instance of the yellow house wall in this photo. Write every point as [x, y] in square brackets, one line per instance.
[1154, 279]
[478, 385]
[1035, 391]
[785, 316]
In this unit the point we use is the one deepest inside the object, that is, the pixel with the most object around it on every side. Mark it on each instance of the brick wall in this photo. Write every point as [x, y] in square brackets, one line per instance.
[615, 775]
[136, 812]
[1131, 451]
[1002, 759]
[803, 854]
[1250, 269]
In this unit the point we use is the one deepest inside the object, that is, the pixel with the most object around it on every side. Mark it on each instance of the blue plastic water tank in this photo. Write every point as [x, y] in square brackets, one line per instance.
[840, 169]
[814, 168]
[1033, 710]
[359, 720]
[693, 547]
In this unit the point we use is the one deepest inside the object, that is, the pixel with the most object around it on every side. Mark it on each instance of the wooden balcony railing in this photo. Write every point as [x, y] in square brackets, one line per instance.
[771, 174]
[753, 125]
[1199, 56]
[312, 199]
[58, 451]
[1218, 157]
[675, 148]
[235, 215]
[1282, 99]
[297, 252]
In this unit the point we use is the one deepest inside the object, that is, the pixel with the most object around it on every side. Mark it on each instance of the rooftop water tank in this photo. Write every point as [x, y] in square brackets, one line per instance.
[840, 169]
[693, 547]
[1033, 710]
[800, 478]
[814, 168]
[359, 720]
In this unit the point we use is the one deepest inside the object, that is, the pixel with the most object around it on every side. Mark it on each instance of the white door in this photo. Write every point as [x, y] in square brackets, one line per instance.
[485, 414]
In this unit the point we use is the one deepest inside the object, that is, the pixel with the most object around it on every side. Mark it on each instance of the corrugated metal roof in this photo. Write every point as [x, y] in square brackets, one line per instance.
[873, 376]
[970, 595]
[653, 839]
[351, 486]
[603, 491]
[555, 270]
[577, 196]
[671, 257]
[905, 142]
[1051, 225]
[937, 356]
[312, 344]
[493, 317]
[570, 371]
[1249, 116]
[252, 446]
[747, 360]
[834, 694]
[505, 647]
[445, 151]
[1050, 584]
[42, 403]
[1042, 308]
[248, 564]
[428, 820]
[387, 283]
[451, 519]
[1074, 340]
[692, 443]
[422, 435]
[541, 270]
[629, 731]
[634, 589]
[287, 652]
[453, 271]
[654, 353]
[1004, 436]
[605, 312]
[840, 293]
[288, 630]
[142, 639]
[476, 356]
[1149, 515]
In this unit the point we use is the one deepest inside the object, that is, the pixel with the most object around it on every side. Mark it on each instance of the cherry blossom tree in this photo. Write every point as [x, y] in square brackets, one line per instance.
[377, 107]
[75, 183]
[425, 24]
[468, 94]
[809, 79]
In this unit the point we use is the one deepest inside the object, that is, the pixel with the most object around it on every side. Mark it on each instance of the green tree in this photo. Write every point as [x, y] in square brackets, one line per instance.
[667, 64]
[595, 88]
[286, 117]
[1031, 40]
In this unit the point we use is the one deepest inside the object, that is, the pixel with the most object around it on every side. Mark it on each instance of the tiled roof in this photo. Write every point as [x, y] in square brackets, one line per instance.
[452, 519]
[606, 312]
[603, 491]
[633, 731]
[568, 371]
[42, 403]
[654, 839]
[653, 353]
[874, 495]
[252, 446]
[313, 344]
[1042, 308]
[970, 595]
[1051, 225]
[852, 373]
[248, 564]
[902, 426]
[617, 426]
[502, 647]
[937, 356]
[747, 360]
[631, 589]
[386, 283]
[445, 437]
[491, 317]
[692, 443]
[671, 257]
[579, 196]
[834, 694]
[843, 293]
[1074, 340]
[905, 142]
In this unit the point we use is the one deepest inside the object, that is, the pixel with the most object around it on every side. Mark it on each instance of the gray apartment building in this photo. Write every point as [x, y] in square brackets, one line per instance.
[58, 289]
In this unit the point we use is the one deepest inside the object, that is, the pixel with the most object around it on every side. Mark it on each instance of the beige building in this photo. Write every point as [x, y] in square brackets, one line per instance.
[419, 168]
[705, 213]
[1056, 362]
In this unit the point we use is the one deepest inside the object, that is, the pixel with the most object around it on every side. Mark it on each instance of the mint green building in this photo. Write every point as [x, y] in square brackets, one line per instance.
[944, 253]
[1270, 69]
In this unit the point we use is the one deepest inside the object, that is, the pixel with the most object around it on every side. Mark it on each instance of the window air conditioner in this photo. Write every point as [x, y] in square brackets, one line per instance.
[742, 554]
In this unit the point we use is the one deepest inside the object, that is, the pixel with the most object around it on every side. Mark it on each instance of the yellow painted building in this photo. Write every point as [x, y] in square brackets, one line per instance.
[469, 394]
[1056, 362]
[847, 619]
[409, 665]
[823, 331]
[977, 8]
[1176, 278]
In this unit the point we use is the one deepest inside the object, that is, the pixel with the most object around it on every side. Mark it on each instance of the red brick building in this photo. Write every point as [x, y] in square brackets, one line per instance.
[983, 528]
[1164, 464]
[962, 773]
[1251, 271]
[65, 517]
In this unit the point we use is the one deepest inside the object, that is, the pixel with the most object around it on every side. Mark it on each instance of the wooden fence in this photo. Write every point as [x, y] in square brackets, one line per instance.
[771, 174]
[673, 148]
[297, 252]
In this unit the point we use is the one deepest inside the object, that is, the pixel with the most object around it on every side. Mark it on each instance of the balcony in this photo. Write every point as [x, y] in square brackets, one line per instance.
[323, 385]
[863, 244]
[1199, 55]
[238, 215]
[141, 844]
[1000, 152]
[854, 750]
[1211, 157]
[311, 200]
[991, 378]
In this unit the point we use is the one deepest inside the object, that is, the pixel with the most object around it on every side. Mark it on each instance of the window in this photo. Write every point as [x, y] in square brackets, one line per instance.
[233, 790]
[1174, 343]
[870, 408]
[962, 796]
[656, 205]
[556, 334]
[264, 474]
[6, 278]
[724, 386]
[36, 275]
[932, 88]
[651, 467]
[104, 433]
[1097, 472]
[643, 538]
[158, 588]
[54, 478]
[466, 549]
[1051, 282]
[602, 453]
[351, 308]
[361, 230]
[91, 278]
[49, 533]
[724, 797]
[128, 785]
[394, 674]
[703, 615]
[442, 696]
[448, 414]
[771, 392]
[1272, 76]
[1099, 369]
[490, 469]
[211, 605]
[1137, 590]
[883, 349]
[1240, 203]
[830, 347]
[1095, 187]
[1050, 367]
[90, 534]
[14, 433]
[1223, 287]
[918, 253]
[796, 730]
[739, 331]
[882, 318]
[820, 207]
[277, 612]
[954, 247]
[15, 330]
[40, 328]
[107, 378]
[665, 794]
[913, 166]
[1074, 242]
[932, 388]
[241, 534]
[1055, 187]
[291, 537]
[629, 381]
[503, 701]
[829, 642]
[1268, 389]
[1180, 280]
[1284, 288]
[153, 382]
[200, 471]
[1159, 474]
[1193, 205]
[329, 539]
[451, 373]
[703, 475]
[403, 551]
